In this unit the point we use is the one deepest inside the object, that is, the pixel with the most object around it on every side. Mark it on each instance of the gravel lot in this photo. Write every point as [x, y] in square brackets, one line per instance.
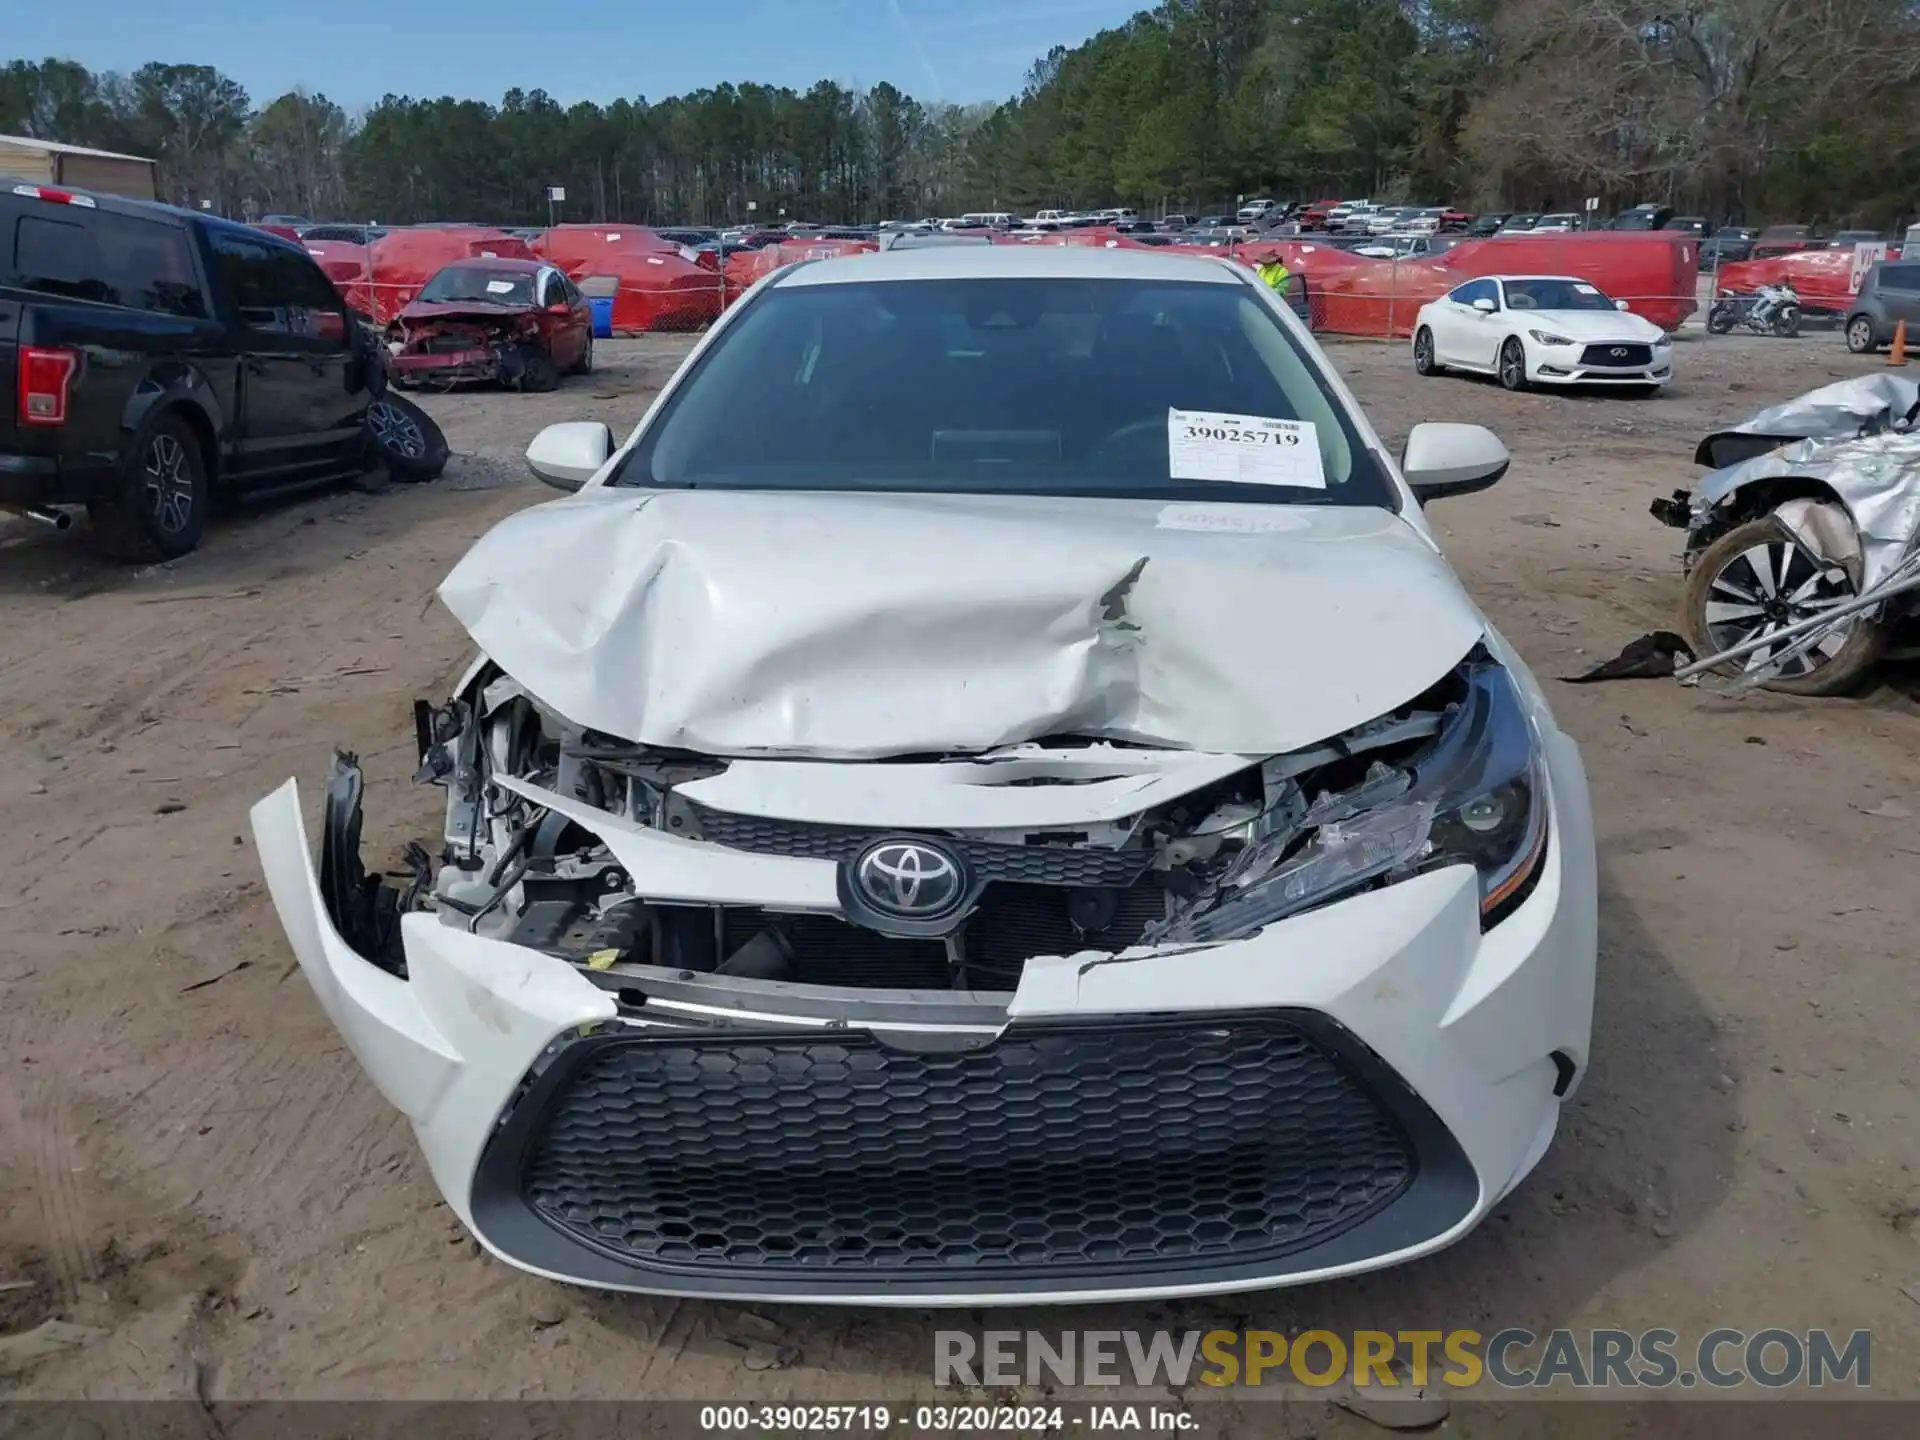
[190, 1159]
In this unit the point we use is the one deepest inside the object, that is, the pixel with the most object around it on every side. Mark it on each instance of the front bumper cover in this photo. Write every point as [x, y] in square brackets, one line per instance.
[1474, 1038]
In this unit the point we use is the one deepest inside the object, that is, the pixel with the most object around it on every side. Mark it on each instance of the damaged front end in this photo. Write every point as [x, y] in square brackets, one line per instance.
[626, 860]
[967, 1027]
[488, 348]
[1801, 543]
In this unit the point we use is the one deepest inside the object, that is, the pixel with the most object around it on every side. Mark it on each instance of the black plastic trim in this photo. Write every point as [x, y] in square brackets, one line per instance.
[1443, 1191]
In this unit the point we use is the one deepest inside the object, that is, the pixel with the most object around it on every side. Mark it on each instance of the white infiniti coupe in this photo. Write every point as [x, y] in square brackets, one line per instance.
[1540, 330]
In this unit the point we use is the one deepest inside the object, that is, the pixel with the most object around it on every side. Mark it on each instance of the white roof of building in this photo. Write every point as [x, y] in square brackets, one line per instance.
[31, 142]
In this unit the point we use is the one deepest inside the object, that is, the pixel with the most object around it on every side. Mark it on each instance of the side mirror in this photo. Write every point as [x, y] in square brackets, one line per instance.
[1619, 304]
[1442, 458]
[568, 455]
[1484, 306]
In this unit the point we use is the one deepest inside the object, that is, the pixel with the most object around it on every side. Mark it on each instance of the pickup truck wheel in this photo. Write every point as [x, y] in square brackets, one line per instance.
[162, 506]
[404, 438]
[536, 370]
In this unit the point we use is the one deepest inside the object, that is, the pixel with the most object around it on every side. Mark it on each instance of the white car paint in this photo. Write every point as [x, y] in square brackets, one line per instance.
[1559, 346]
[1362, 616]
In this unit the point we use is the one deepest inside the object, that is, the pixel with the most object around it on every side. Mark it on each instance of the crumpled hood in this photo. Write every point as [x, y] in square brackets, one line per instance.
[843, 625]
[422, 311]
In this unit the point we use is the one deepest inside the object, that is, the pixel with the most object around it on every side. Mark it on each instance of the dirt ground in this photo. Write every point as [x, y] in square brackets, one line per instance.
[191, 1161]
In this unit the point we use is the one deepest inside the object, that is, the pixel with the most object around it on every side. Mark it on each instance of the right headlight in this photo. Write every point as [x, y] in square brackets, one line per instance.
[1475, 795]
[1547, 337]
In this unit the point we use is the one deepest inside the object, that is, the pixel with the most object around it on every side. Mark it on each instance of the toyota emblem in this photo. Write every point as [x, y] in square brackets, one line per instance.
[1619, 352]
[911, 879]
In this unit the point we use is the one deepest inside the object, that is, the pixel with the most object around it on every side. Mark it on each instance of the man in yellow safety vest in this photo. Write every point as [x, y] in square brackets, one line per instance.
[1274, 272]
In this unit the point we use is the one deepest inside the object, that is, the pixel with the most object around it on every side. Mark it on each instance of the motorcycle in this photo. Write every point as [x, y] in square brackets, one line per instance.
[1770, 310]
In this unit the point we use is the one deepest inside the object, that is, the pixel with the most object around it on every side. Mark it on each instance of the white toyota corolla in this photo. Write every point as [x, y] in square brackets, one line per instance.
[1540, 330]
[991, 794]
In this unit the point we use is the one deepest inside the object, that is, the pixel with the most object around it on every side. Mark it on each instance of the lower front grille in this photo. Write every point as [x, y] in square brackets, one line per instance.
[1055, 1153]
[1617, 356]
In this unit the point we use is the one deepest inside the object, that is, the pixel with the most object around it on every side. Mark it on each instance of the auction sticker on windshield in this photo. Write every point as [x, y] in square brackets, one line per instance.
[1243, 449]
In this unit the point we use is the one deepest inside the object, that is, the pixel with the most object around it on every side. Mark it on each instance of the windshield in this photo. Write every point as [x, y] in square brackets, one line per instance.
[1011, 386]
[1555, 295]
[463, 283]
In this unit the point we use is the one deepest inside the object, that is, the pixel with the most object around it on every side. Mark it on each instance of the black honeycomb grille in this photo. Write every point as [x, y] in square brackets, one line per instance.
[1021, 864]
[1061, 1149]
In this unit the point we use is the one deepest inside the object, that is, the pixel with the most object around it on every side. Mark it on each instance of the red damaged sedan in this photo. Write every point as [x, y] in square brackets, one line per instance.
[517, 323]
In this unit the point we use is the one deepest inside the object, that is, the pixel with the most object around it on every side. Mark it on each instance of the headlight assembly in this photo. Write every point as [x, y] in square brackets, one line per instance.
[1547, 337]
[1474, 795]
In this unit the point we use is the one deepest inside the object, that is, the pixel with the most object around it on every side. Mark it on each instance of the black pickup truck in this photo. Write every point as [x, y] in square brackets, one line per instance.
[152, 359]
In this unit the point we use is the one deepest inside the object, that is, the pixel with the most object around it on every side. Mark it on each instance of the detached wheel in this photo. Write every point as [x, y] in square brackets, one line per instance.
[536, 370]
[1423, 361]
[161, 509]
[405, 439]
[1513, 365]
[1860, 336]
[1757, 579]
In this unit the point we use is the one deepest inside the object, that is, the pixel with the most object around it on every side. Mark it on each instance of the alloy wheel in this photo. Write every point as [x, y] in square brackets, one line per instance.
[1513, 366]
[396, 431]
[168, 484]
[1860, 336]
[1764, 589]
[1423, 351]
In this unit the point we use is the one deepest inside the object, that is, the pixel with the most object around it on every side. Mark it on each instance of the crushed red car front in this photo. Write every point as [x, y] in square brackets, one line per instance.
[451, 343]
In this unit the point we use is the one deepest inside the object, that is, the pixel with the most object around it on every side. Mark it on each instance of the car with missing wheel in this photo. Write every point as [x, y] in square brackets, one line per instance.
[1541, 330]
[990, 793]
[153, 360]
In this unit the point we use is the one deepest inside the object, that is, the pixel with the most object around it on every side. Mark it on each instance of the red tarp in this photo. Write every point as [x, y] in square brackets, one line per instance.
[1822, 278]
[660, 285]
[1655, 272]
[404, 260]
[746, 267]
[346, 266]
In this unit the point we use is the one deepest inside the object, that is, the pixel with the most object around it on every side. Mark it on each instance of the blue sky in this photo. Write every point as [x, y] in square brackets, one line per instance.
[357, 50]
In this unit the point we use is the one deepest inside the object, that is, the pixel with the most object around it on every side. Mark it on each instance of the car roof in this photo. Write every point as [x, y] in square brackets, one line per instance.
[1507, 279]
[1025, 262]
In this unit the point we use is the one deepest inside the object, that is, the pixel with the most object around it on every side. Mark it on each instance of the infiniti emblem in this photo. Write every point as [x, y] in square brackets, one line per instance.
[913, 879]
[1619, 352]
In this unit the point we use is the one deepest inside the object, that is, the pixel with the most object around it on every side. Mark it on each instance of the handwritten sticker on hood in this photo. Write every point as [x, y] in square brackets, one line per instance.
[1243, 450]
[500, 287]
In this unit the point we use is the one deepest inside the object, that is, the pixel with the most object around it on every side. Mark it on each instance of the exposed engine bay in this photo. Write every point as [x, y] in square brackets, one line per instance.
[547, 823]
[490, 347]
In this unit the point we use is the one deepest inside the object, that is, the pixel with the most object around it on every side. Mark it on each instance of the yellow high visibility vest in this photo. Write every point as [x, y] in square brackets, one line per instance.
[1274, 273]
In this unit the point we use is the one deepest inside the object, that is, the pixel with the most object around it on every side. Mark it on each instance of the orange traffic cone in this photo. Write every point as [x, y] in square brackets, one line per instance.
[1897, 354]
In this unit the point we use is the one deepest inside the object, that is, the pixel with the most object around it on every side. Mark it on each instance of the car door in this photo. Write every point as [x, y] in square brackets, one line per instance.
[571, 329]
[296, 410]
[1482, 330]
[1455, 322]
[1899, 289]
